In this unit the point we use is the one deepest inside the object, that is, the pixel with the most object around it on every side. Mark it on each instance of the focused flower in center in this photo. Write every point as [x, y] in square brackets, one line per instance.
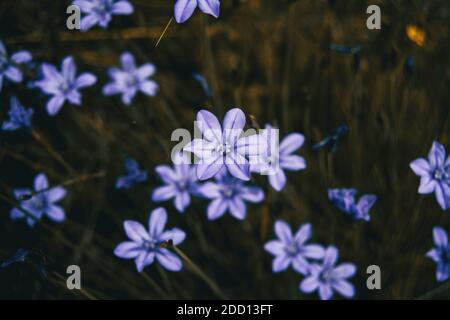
[145, 244]
[434, 174]
[224, 147]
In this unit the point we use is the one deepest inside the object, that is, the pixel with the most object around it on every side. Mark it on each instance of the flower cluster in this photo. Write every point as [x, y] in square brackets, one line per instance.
[9, 65]
[293, 250]
[344, 200]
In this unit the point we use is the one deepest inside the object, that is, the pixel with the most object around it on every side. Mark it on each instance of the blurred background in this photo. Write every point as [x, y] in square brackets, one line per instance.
[273, 59]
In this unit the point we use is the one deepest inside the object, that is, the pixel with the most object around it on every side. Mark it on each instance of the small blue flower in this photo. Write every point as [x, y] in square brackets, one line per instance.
[19, 116]
[63, 85]
[131, 79]
[327, 277]
[145, 244]
[292, 249]
[344, 200]
[133, 177]
[434, 174]
[8, 65]
[440, 254]
[229, 194]
[100, 12]
[42, 202]
[180, 182]
[185, 8]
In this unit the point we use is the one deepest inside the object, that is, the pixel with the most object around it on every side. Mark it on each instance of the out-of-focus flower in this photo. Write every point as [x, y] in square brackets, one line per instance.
[416, 35]
[344, 199]
[229, 194]
[131, 79]
[440, 254]
[8, 65]
[179, 182]
[133, 177]
[218, 148]
[333, 139]
[292, 249]
[145, 244]
[185, 8]
[42, 202]
[278, 158]
[19, 116]
[327, 277]
[63, 85]
[434, 174]
[100, 12]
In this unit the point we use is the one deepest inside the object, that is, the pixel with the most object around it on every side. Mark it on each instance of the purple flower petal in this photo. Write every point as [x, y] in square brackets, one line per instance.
[175, 234]
[128, 62]
[56, 213]
[169, 260]
[111, 89]
[201, 148]
[291, 143]
[293, 162]
[14, 74]
[128, 250]
[238, 166]
[274, 247]
[420, 167]
[330, 257]
[344, 270]
[217, 208]
[278, 180]
[344, 288]
[144, 259]
[434, 255]
[252, 194]
[283, 231]
[436, 156]
[68, 69]
[440, 237]
[157, 222]
[427, 185]
[21, 57]
[54, 105]
[211, 7]
[313, 251]
[309, 284]
[182, 201]
[233, 124]
[303, 234]
[209, 168]
[209, 126]
[16, 214]
[325, 292]
[146, 70]
[184, 9]
[167, 174]
[135, 231]
[237, 208]
[149, 88]
[40, 182]
[251, 145]
[122, 7]
[85, 80]
[209, 190]
[300, 265]
[280, 263]
[55, 194]
[164, 193]
[442, 192]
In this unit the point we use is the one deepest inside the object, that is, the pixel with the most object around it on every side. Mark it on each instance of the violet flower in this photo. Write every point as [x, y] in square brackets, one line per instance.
[229, 194]
[434, 174]
[42, 202]
[344, 200]
[19, 116]
[440, 254]
[145, 244]
[63, 85]
[129, 80]
[290, 249]
[184, 9]
[278, 158]
[179, 182]
[100, 12]
[220, 148]
[8, 65]
[133, 177]
[327, 277]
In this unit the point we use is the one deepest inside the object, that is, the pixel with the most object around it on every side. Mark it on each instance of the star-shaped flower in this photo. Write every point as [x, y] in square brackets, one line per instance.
[440, 254]
[185, 8]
